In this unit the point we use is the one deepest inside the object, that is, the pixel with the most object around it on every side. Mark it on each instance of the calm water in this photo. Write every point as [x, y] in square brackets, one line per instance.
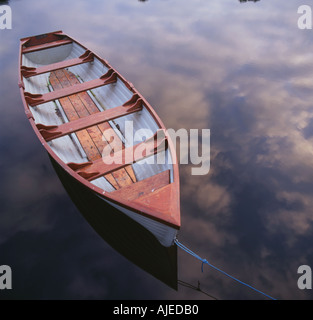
[243, 70]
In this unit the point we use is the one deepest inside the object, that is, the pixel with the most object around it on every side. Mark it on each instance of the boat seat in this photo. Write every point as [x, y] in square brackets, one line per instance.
[37, 99]
[27, 72]
[143, 187]
[92, 170]
[46, 45]
[52, 132]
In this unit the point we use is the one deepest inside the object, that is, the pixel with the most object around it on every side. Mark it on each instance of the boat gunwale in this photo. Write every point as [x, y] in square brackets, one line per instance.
[174, 220]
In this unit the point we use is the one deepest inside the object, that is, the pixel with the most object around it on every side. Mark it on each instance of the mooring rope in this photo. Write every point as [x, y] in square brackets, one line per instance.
[204, 261]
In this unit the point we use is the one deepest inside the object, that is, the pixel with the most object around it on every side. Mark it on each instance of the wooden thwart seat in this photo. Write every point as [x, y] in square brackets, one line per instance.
[36, 99]
[52, 132]
[143, 187]
[27, 72]
[46, 45]
[108, 164]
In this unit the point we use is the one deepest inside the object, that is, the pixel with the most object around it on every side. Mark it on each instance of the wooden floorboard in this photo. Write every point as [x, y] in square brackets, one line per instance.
[93, 139]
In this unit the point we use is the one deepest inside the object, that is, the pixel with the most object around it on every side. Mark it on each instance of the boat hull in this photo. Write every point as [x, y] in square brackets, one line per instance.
[122, 233]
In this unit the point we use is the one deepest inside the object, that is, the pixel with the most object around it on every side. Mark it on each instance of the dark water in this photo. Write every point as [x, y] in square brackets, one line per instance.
[243, 70]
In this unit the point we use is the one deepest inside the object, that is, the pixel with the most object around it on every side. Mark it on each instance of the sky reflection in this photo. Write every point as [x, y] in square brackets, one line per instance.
[243, 70]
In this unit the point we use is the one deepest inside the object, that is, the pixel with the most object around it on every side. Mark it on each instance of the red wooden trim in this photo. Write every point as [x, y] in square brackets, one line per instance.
[27, 72]
[46, 45]
[124, 157]
[50, 133]
[76, 166]
[36, 99]
[143, 187]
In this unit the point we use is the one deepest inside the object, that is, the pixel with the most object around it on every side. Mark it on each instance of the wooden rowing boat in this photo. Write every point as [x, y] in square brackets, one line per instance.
[82, 109]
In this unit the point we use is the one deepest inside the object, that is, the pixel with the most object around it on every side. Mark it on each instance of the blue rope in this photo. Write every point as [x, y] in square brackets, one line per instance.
[204, 261]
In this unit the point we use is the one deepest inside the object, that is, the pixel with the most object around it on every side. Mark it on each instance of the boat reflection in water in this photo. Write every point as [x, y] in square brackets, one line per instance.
[122, 233]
